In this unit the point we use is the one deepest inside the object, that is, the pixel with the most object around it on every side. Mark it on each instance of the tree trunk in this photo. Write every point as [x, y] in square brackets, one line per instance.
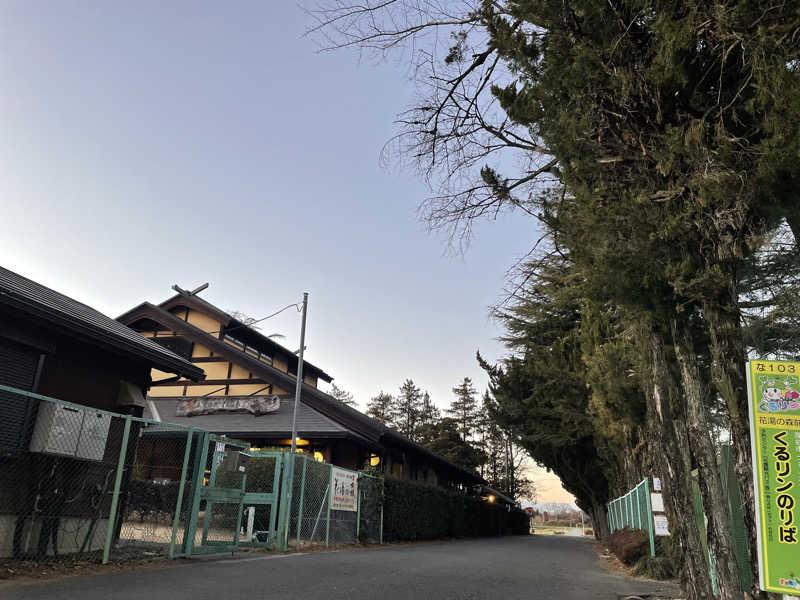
[669, 447]
[730, 380]
[599, 521]
[719, 535]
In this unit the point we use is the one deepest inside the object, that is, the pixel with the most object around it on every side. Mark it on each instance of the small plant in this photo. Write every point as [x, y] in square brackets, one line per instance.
[654, 567]
[629, 545]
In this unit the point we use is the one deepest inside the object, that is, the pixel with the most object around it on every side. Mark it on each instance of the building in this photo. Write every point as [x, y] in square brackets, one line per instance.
[55, 346]
[248, 394]
[58, 347]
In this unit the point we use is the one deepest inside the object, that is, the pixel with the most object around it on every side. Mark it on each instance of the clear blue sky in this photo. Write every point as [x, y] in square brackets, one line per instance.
[152, 143]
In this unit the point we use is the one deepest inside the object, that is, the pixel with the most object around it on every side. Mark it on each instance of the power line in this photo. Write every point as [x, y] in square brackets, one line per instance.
[297, 305]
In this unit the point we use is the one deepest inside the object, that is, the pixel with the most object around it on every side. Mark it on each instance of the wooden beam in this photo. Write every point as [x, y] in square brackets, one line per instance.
[222, 382]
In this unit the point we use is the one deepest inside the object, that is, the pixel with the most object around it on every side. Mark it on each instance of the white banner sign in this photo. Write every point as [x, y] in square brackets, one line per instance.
[255, 405]
[660, 525]
[657, 503]
[344, 490]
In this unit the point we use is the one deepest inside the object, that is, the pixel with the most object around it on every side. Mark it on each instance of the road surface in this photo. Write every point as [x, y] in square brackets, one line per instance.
[529, 568]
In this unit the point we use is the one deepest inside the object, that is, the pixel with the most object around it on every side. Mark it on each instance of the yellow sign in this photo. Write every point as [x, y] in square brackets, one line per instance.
[774, 399]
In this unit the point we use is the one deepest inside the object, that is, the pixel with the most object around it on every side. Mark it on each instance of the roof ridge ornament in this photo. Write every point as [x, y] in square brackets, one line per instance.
[194, 292]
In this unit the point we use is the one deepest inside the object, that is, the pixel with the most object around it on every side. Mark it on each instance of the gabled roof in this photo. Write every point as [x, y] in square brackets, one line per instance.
[47, 305]
[310, 423]
[353, 420]
[236, 327]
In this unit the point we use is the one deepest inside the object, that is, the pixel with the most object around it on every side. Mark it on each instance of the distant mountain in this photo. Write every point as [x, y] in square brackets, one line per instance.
[553, 508]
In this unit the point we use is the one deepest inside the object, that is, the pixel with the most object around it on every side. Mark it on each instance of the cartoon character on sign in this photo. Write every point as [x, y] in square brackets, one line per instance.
[775, 399]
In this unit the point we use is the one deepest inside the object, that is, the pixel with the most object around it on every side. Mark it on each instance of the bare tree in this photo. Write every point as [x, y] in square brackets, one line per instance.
[476, 161]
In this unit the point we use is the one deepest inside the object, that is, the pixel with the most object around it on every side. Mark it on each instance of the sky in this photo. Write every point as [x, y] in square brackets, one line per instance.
[147, 144]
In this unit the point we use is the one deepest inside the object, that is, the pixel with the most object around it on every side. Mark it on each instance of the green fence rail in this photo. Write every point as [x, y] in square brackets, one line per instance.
[75, 480]
[633, 510]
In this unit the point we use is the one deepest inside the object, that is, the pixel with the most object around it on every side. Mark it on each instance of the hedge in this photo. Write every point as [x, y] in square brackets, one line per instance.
[417, 511]
[629, 545]
[151, 498]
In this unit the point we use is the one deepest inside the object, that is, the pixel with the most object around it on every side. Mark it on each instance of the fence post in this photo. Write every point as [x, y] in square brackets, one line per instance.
[181, 487]
[328, 520]
[381, 533]
[112, 515]
[638, 508]
[358, 512]
[610, 513]
[300, 505]
[198, 472]
[649, 517]
[628, 510]
[284, 510]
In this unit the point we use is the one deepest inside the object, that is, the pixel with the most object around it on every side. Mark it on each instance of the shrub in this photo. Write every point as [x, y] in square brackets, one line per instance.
[655, 567]
[417, 511]
[629, 545]
[152, 498]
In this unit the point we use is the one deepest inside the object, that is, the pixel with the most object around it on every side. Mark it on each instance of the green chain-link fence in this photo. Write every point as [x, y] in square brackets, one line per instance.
[314, 520]
[82, 482]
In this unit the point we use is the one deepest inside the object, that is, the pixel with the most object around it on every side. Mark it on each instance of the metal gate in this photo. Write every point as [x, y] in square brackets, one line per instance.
[264, 471]
[216, 511]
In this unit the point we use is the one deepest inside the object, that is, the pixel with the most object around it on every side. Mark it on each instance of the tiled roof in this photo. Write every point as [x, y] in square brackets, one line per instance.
[46, 304]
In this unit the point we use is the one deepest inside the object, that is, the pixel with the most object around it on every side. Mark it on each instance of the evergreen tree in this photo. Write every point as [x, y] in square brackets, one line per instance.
[407, 409]
[341, 395]
[665, 134]
[429, 414]
[464, 408]
[443, 438]
[381, 408]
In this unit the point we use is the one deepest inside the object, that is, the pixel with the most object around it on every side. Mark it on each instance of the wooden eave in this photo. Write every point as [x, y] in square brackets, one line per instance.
[312, 396]
[194, 302]
[362, 425]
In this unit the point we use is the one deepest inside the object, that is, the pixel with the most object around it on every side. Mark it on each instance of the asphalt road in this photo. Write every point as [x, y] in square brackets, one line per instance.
[529, 568]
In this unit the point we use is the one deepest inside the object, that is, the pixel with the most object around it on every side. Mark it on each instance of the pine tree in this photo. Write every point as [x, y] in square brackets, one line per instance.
[407, 409]
[464, 409]
[341, 395]
[429, 414]
[381, 408]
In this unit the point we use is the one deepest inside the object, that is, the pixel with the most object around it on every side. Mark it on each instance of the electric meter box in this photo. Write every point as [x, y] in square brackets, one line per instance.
[94, 433]
[70, 431]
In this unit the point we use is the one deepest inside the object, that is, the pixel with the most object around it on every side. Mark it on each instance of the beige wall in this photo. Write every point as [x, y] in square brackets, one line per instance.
[238, 372]
[157, 375]
[166, 391]
[245, 389]
[200, 351]
[215, 370]
[279, 362]
[204, 322]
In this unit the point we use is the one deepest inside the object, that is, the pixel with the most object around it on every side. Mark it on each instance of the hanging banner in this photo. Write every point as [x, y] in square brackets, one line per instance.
[255, 405]
[774, 398]
[344, 489]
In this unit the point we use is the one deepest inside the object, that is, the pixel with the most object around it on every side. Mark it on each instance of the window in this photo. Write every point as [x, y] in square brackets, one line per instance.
[233, 342]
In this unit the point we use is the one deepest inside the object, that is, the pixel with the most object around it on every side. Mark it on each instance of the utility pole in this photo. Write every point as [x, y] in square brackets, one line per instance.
[285, 515]
[299, 386]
